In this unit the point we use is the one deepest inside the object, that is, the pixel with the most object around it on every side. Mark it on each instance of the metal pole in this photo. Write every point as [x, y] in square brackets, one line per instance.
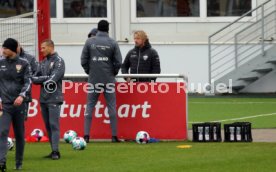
[236, 51]
[36, 31]
[275, 17]
[134, 76]
[36, 36]
[113, 19]
[43, 22]
[209, 60]
[263, 34]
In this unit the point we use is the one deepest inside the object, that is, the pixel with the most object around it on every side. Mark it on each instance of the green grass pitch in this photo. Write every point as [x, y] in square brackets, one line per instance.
[154, 157]
[165, 156]
[261, 112]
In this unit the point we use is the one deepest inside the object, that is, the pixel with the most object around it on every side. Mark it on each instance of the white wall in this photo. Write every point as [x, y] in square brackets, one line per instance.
[190, 60]
[181, 43]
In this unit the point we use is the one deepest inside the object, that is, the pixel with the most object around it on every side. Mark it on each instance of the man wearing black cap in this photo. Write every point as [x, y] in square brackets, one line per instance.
[101, 59]
[14, 84]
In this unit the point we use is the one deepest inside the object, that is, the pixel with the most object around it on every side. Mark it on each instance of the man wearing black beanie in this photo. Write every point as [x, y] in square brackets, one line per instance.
[10, 44]
[103, 26]
[101, 59]
[12, 100]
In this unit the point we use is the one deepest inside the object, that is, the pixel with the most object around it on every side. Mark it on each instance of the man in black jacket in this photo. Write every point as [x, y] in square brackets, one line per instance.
[15, 82]
[34, 65]
[101, 59]
[49, 75]
[142, 59]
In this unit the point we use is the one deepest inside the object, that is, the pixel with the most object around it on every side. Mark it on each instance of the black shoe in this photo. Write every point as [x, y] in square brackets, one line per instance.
[86, 138]
[115, 139]
[18, 167]
[55, 155]
[48, 156]
[3, 168]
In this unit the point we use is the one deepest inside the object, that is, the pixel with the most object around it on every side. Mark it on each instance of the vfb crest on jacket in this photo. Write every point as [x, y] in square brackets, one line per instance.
[145, 57]
[18, 67]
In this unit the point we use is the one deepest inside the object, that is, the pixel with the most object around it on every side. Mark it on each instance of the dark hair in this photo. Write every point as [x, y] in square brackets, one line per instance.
[11, 44]
[103, 26]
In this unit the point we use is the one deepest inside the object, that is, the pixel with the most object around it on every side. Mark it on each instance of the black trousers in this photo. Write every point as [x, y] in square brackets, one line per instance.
[12, 115]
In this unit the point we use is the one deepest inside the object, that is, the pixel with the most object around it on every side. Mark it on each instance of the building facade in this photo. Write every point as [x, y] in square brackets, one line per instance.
[177, 29]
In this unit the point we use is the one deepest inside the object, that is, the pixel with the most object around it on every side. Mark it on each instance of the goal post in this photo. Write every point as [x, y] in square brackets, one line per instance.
[43, 21]
[30, 29]
[23, 28]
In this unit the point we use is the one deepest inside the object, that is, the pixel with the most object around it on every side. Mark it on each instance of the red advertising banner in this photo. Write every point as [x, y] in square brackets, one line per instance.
[158, 108]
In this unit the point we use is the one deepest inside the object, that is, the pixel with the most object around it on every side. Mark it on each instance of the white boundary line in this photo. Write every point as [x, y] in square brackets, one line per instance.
[234, 119]
[233, 102]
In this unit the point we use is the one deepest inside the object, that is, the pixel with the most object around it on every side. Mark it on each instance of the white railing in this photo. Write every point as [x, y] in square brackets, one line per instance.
[242, 40]
[185, 78]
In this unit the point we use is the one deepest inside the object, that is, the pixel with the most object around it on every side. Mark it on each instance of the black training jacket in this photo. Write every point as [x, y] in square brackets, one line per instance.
[101, 58]
[14, 79]
[34, 65]
[49, 75]
[143, 60]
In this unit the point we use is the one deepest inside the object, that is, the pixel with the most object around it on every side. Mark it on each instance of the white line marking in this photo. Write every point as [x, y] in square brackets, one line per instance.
[233, 102]
[234, 119]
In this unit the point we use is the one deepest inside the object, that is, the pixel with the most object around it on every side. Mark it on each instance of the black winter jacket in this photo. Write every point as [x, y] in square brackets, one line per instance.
[14, 79]
[49, 75]
[143, 60]
[101, 58]
[34, 65]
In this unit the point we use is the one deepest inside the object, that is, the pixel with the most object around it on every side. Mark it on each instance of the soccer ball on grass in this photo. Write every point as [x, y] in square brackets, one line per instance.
[142, 137]
[69, 136]
[37, 134]
[78, 143]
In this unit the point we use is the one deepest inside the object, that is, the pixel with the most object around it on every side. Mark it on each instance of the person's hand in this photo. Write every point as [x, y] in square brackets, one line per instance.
[18, 101]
